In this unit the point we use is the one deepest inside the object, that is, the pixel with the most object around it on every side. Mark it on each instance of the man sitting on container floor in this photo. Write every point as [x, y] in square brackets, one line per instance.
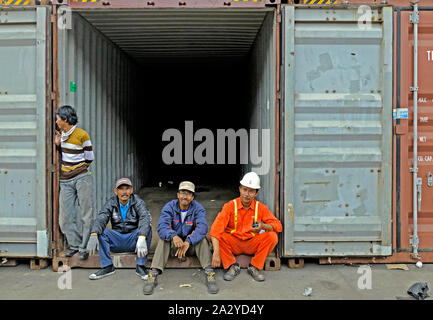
[131, 229]
[244, 226]
[182, 227]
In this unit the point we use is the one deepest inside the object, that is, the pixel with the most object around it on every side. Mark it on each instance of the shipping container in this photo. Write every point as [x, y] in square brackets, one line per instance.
[136, 74]
[25, 132]
[405, 132]
[339, 171]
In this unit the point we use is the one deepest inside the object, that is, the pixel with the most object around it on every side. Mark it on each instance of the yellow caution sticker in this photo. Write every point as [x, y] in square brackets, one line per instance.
[320, 1]
[16, 2]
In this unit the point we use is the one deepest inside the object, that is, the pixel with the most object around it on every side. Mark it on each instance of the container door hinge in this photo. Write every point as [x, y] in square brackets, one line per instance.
[414, 241]
[429, 179]
[412, 89]
[414, 17]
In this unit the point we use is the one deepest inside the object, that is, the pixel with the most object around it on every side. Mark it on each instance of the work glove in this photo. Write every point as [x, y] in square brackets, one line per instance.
[92, 244]
[141, 248]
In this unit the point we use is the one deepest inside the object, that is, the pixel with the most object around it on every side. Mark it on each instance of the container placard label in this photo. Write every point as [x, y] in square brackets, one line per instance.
[400, 113]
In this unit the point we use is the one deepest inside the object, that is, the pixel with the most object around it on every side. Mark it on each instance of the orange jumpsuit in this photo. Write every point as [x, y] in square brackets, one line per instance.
[235, 237]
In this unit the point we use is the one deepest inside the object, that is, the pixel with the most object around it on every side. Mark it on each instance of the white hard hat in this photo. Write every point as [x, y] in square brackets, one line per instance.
[251, 180]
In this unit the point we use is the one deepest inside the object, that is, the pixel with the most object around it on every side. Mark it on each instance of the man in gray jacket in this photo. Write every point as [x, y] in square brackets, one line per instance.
[131, 229]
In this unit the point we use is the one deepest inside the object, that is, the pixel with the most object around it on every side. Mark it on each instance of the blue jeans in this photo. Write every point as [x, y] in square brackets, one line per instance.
[111, 240]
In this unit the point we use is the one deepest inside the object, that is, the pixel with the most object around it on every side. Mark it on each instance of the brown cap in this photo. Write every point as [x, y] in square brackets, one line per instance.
[187, 185]
[125, 181]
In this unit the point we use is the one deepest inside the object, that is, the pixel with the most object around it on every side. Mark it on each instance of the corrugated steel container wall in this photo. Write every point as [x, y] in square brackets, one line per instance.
[24, 132]
[262, 102]
[405, 130]
[338, 135]
[104, 100]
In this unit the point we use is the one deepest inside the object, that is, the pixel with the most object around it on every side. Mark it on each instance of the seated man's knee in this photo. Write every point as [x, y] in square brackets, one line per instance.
[106, 235]
[272, 236]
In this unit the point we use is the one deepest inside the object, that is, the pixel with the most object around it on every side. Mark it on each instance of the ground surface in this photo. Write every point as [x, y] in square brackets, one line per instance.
[327, 282]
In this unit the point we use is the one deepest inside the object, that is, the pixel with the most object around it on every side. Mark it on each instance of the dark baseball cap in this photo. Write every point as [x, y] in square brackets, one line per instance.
[123, 181]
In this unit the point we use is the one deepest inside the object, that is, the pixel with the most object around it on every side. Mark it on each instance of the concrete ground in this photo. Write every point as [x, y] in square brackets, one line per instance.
[327, 282]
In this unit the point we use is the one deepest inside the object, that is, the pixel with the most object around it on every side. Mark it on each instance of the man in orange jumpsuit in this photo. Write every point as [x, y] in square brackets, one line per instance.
[244, 226]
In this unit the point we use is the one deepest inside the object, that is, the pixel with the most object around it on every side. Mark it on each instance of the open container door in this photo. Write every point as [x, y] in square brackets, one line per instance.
[24, 84]
[337, 132]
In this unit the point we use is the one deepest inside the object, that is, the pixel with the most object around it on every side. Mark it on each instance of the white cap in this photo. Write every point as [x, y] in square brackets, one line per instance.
[187, 185]
[251, 180]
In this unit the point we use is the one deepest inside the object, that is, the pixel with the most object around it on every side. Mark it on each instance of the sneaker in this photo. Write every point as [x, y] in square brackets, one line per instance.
[151, 282]
[256, 273]
[70, 252]
[212, 287]
[141, 271]
[83, 255]
[102, 273]
[232, 272]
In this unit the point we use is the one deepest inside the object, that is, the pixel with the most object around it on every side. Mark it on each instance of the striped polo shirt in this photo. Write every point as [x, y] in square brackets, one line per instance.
[77, 153]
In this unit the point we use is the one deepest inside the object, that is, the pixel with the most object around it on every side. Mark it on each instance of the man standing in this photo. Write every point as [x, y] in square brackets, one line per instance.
[76, 186]
[244, 226]
[182, 227]
[130, 230]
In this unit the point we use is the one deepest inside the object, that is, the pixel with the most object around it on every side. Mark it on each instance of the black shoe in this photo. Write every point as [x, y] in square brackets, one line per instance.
[151, 282]
[70, 252]
[256, 273]
[102, 273]
[212, 287]
[83, 255]
[141, 271]
[232, 272]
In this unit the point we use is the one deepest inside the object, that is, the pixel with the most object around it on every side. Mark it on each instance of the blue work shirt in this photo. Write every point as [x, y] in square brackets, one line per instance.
[124, 210]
